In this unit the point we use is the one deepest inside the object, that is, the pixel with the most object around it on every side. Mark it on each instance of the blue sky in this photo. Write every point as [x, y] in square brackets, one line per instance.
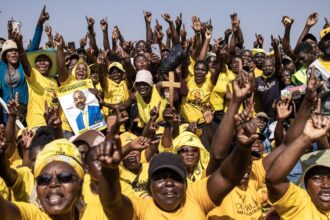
[68, 17]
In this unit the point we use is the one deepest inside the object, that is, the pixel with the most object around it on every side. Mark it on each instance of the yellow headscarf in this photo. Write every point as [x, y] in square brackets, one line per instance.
[73, 72]
[187, 138]
[59, 150]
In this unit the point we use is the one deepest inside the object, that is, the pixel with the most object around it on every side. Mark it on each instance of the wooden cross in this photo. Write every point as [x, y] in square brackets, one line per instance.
[171, 84]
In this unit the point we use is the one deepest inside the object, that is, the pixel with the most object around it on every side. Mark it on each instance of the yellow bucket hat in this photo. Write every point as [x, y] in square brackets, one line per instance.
[59, 150]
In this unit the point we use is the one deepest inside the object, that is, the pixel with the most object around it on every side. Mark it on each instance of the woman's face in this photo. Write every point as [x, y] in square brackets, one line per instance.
[43, 64]
[212, 63]
[143, 88]
[235, 65]
[168, 189]
[81, 71]
[200, 72]
[12, 56]
[189, 155]
[132, 160]
[58, 188]
[116, 75]
[141, 63]
[141, 47]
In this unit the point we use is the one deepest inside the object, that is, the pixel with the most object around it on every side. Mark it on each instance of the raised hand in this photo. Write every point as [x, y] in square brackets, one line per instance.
[313, 86]
[208, 114]
[275, 42]
[154, 112]
[44, 16]
[140, 143]
[115, 34]
[168, 32]
[316, 127]
[287, 21]
[13, 105]
[128, 46]
[90, 21]
[147, 16]
[48, 30]
[17, 37]
[241, 85]
[52, 115]
[227, 32]
[109, 153]
[122, 116]
[101, 58]
[283, 108]
[170, 117]
[58, 40]
[196, 24]
[83, 42]
[27, 136]
[178, 21]
[183, 32]
[167, 18]
[208, 33]
[104, 24]
[312, 19]
[234, 21]
[246, 129]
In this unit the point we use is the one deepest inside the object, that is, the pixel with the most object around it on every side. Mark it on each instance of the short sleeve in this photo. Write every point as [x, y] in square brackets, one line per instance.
[197, 191]
[29, 211]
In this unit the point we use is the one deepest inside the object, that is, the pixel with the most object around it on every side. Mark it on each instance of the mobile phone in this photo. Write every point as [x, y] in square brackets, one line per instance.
[72, 46]
[17, 26]
[155, 49]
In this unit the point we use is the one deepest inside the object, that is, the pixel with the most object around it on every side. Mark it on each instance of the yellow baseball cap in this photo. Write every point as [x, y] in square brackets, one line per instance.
[117, 65]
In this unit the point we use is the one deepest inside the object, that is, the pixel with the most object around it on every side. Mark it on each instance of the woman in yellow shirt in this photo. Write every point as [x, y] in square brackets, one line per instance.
[170, 195]
[59, 176]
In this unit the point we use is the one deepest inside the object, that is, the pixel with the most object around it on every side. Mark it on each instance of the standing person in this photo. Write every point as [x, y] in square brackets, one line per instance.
[41, 86]
[12, 78]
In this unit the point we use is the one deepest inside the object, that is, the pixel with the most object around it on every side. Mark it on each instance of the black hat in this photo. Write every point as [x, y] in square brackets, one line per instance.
[167, 160]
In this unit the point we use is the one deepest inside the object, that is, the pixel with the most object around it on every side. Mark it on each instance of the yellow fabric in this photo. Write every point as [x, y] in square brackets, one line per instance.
[243, 202]
[126, 138]
[198, 94]
[258, 50]
[23, 187]
[300, 77]
[257, 72]
[324, 32]
[144, 108]
[40, 91]
[73, 72]
[5, 192]
[115, 93]
[15, 160]
[187, 138]
[93, 200]
[297, 204]
[217, 99]
[325, 64]
[29, 211]
[197, 204]
[59, 150]
[137, 182]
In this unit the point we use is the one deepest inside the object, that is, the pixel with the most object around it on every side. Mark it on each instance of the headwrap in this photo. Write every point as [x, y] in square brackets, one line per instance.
[59, 150]
[73, 72]
[187, 138]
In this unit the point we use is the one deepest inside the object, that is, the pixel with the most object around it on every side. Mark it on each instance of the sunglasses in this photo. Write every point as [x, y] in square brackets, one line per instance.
[188, 150]
[62, 178]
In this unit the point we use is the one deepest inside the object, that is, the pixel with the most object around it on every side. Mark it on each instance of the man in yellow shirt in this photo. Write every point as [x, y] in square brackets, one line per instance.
[290, 201]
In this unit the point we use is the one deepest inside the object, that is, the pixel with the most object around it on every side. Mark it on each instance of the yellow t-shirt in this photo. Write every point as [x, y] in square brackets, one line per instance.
[325, 64]
[24, 185]
[144, 108]
[196, 205]
[243, 202]
[93, 200]
[137, 182]
[297, 204]
[40, 90]
[198, 94]
[115, 93]
[217, 99]
[15, 160]
[5, 191]
[257, 72]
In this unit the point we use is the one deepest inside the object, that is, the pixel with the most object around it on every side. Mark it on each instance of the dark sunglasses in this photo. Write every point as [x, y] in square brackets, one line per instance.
[188, 150]
[62, 178]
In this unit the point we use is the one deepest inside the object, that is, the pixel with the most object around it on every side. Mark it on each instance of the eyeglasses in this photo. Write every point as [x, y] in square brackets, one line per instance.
[62, 178]
[188, 150]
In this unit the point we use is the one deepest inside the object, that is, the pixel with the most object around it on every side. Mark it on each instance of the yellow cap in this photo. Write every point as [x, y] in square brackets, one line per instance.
[126, 138]
[258, 50]
[324, 32]
[117, 65]
[59, 150]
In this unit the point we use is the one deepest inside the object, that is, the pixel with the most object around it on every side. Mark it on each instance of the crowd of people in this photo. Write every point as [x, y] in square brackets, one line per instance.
[195, 129]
